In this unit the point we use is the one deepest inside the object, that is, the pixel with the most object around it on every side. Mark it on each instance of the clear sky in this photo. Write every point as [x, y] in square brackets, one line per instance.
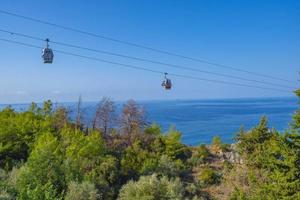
[258, 36]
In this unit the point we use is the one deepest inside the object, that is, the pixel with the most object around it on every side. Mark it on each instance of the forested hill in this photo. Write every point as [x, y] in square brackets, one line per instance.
[44, 155]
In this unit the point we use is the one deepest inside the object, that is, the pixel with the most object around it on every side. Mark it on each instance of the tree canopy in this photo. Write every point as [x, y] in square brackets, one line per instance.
[46, 155]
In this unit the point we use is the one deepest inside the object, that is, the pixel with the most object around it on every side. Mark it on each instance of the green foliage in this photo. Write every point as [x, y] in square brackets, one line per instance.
[59, 118]
[200, 155]
[62, 162]
[276, 157]
[238, 195]
[174, 148]
[7, 190]
[19, 130]
[82, 191]
[216, 141]
[296, 117]
[154, 129]
[44, 155]
[42, 177]
[86, 160]
[252, 144]
[168, 167]
[154, 153]
[39, 192]
[83, 153]
[226, 147]
[202, 152]
[208, 176]
[216, 145]
[152, 188]
[134, 159]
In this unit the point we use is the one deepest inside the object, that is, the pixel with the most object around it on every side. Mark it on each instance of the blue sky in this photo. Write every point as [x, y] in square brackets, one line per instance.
[258, 36]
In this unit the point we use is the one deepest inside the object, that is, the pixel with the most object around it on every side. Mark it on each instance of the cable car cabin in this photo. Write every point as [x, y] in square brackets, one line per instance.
[167, 84]
[47, 55]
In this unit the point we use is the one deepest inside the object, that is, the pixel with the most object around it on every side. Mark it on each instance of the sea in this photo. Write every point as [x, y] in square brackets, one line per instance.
[200, 120]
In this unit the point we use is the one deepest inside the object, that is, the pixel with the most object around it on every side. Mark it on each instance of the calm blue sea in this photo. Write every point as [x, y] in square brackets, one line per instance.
[200, 120]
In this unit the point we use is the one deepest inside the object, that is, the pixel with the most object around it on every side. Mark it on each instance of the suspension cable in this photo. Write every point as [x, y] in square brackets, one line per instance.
[145, 69]
[142, 46]
[146, 60]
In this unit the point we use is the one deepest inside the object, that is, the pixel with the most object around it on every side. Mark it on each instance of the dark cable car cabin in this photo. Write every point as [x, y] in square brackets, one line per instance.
[47, 53]
[167, 84]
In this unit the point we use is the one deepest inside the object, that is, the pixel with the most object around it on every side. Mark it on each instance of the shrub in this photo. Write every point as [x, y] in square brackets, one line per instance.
[200, 155]
[208, 176]
[82, 191]
[152, 187]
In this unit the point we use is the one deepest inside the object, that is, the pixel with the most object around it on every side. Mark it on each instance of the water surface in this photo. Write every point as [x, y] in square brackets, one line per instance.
[200, 120]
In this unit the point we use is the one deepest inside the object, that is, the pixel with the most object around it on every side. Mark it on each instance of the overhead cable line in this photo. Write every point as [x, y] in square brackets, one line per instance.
[142, 46]
[146, 69]
[145, 60]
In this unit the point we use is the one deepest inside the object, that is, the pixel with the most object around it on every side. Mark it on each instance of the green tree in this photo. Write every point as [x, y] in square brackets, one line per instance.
[47, 108]
[42, 177]
[252, 144]
[82, 153]
[60, 119]
[154, 130]
[134, 159]
[173, 146]
[296, 117]
[18, 132]
[86, 160]
[275, 160]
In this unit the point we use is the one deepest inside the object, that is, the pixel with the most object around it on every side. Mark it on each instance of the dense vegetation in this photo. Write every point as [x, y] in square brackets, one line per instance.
[45, 155]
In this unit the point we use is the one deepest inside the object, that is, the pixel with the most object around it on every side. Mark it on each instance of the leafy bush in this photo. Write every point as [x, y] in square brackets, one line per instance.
[7, 190]
[200, 155]
[208, 176]
[82, 191]
[152, 188]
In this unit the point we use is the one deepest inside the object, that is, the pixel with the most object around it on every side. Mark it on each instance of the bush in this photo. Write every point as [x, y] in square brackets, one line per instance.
[170, 168]
[200, 155]
[208, 176]
[7, 191]
[82, 191]
[152, 187]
